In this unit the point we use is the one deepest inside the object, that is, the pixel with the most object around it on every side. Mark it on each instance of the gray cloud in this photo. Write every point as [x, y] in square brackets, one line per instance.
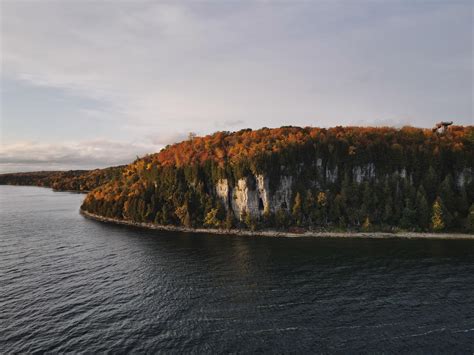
[167, 138]
[181, 67]
[228, 124]
[86, 154]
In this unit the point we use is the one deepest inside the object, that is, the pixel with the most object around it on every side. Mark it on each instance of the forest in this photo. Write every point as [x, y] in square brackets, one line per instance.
[418, 180]
[72, 180]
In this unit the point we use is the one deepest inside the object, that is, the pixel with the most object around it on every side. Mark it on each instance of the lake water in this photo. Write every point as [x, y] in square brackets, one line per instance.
[68, 284]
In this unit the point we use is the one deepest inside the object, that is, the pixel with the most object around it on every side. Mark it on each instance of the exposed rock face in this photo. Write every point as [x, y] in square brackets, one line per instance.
[255, 201]
[222, 191]
[256, 198]
[331, 174]
[363, 173]
[464, 177]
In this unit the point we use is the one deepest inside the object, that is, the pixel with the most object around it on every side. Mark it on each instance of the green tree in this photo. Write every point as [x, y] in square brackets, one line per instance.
[337, 211]
[408, 220]
[422, 210]
[388, 212]
[282, 218]
[470, 219]
[430, 183]
[229, 219]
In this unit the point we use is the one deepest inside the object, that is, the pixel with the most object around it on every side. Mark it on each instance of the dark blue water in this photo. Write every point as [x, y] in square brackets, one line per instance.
[69, 284]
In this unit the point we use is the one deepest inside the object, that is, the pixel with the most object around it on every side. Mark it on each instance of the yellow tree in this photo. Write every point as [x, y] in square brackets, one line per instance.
[437, 221]
[211, 219]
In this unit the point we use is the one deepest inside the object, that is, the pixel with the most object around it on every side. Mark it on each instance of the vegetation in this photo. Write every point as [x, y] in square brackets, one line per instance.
[421, 181]
[73, 180]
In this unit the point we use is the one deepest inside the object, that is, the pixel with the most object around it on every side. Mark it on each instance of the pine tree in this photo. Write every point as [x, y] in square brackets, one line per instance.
[408, 220]
[229, 219]
[448, 197]
[281, 218]
[337, 211]
[309, 207]
[437, 221]
[422, 209]
[430, 183]
[388, 212]
[470, 219]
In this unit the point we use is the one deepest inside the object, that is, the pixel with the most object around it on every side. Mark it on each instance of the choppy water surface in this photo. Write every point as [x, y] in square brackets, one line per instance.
[71, 284]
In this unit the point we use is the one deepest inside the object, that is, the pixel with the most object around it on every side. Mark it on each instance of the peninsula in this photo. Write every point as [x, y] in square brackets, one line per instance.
[300, 180]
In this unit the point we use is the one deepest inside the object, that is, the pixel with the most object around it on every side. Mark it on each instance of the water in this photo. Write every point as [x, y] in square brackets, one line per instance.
[69, 284]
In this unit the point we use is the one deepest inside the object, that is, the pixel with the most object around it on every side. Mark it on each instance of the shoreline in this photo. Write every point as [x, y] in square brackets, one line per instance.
[280, 234]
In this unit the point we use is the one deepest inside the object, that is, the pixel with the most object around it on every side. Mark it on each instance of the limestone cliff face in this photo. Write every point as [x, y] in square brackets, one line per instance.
[253, 195]
[257, 199]
[464, 177]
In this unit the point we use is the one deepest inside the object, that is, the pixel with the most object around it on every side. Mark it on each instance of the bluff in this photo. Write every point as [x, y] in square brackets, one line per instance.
[306, 178]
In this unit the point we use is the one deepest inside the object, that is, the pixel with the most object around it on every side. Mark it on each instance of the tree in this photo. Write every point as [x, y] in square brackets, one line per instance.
[337, 211]
[297, 211]
[211, 219]
[470, 219]
[322, 208]
[422, 209]
[183, 215]
[281, 218]
[408, 220]
[249, 221]
[437, 221]
[430, 183]
[366, 225]
[229, 219]
[388, 212]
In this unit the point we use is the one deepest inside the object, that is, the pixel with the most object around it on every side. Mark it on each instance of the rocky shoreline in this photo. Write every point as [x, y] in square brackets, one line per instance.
[272, 233]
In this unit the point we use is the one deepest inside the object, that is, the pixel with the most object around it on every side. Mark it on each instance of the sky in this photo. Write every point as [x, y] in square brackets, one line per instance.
[88, 84]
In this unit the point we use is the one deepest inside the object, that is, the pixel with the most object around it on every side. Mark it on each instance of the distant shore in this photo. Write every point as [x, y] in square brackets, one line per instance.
[282, 234]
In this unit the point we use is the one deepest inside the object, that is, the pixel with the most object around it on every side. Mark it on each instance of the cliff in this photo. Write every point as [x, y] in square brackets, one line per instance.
[301, 178]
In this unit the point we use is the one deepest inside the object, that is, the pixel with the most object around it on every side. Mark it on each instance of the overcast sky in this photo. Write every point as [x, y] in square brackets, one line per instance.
[96, 83]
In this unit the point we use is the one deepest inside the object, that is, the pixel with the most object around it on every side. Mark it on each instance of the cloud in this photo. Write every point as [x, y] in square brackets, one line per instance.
[227, 124]
[167, 138]
[175, 68]
[61, 156]
[188, 66]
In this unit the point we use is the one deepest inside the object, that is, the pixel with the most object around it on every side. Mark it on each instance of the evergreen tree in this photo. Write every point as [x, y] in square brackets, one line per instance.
[422, 210]
[388, 212]
[229, 220]
[322, 209]
[408, 220]
[430, 183]
[309, 207]
[470, 219]
[281, 218]
[338, 211]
